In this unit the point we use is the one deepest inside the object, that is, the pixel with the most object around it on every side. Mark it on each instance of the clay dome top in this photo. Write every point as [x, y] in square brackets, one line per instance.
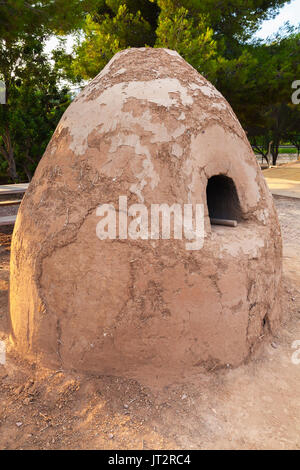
[134, 78]
[152, 104]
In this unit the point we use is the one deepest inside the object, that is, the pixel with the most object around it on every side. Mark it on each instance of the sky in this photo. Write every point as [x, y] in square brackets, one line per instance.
[290, 12]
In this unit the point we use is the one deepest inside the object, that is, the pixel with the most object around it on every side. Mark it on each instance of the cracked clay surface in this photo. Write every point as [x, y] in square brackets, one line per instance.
[151, 128]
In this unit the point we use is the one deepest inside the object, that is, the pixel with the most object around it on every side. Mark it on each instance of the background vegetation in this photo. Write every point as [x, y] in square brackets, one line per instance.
[213, 36]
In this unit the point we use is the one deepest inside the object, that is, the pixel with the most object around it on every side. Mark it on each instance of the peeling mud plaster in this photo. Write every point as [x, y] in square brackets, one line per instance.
[177, 150]
[210, 91]
[147, 173]
[151, 128]
[106, 109]
[251, 247]
[173, 53]
[119, 72]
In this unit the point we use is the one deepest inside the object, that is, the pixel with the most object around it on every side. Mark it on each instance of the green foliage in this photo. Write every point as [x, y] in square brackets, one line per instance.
[199, 30]
[36, 112]
[261, 94]
[34, 106]
[24, 68]
[19, 18]
[235, 19]
[212, 36]
[190, 37]
[106, 36]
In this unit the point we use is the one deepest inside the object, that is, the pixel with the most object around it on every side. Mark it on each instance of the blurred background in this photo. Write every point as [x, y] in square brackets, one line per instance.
[49, 50]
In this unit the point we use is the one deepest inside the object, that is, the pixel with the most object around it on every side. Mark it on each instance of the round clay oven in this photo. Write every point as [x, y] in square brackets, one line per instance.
[150, 128]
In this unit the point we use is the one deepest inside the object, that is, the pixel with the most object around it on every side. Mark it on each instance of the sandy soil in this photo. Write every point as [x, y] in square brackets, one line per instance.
[284, 180]
[255, 406]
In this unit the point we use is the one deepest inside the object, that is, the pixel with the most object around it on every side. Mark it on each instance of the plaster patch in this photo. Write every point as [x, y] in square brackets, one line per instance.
[173, 53]
[119, 72]
[210, 91]
[194, 86]
[249, 246]
[92, 114]
[148, 172]
[218, 105]
[177, 150]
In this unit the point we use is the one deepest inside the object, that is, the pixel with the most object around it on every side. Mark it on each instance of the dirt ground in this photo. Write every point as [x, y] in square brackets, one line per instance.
[255, 406]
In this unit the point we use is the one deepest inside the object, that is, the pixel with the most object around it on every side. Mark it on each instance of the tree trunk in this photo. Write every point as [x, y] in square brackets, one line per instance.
[262, 153]
[275, 151]
[27, 161]
[8, 153]
[12, 170]
[28, 172]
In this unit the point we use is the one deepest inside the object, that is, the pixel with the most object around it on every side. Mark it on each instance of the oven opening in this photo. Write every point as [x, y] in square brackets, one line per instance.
[223, 201]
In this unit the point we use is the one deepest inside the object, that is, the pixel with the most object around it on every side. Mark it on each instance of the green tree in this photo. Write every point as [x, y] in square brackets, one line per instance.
[24, 27]
[258, 86]
[35, 115]
[189, 36]
[106, 36]
[113, 26]
[198, 29]
[34, 106]
[234, 20]
[19, 18]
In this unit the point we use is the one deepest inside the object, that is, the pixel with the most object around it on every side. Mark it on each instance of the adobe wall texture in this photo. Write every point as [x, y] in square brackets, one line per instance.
[149, 127]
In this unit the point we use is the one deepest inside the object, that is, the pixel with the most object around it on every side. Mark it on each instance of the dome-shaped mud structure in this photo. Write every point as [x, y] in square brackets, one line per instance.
[148, 130]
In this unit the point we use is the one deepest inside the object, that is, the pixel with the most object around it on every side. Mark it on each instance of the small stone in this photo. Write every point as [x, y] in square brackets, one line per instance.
[125, 406]
[184, 396]
[110, 436]
[274, 345]
[19, 424]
